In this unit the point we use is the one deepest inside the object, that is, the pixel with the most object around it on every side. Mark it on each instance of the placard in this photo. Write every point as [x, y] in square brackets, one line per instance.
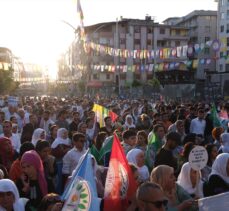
[198, 158]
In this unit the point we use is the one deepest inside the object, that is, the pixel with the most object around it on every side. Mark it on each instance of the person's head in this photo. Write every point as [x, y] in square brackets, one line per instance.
[49, 202]
[224, 139]
[142, 138]
[216, 132]
[91, 114]
[9, 195]
[26, 146]
[14, 128]
[53, 130]
[46, 115]
[62, 133]
[62, 115]
[159, 131]
[180, 126]
[164, 176]
[212, 153]
[188, 178]
[107, 121]
[150, 197]
[33, 119]
[173, 139]
[13, 119]
[79, 140]
[100, 138]
[201, 113]
[89, 122]
[43, 149]
[75, 116]
[6, 147]
[38, 134]
[136, 156]
[221, 166]
[129, 119]
[21, 113]
[7, 127]
[82, 127]
[32, 167]
[129, 137]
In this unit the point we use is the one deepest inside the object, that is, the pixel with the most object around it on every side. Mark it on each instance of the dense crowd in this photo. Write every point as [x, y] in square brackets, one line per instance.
[42, 140]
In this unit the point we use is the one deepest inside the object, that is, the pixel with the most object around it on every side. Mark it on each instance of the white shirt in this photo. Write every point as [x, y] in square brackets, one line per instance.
[15, 141]
[70, 160]
[197, 126]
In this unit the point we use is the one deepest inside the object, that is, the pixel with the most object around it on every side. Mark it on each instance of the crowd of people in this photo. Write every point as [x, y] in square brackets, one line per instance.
[42, 141]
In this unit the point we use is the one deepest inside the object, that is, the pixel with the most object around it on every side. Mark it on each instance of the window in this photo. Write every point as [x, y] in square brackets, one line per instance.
[221, 54]
[227, 67]
[222, 2]
[137, 29]
[162, 31]
[206, 39]
[122, 41]
[222, 15]
[222, 28]
[149, 42]
[177, 32]
[107, 76]
[221, 67]
[206, 51]
[149, 30]
[137, 41]
[227, 28]
[227, 14]
[177, 43]
[227, 53]
[227, 41]
[207, 28]
[95, 76]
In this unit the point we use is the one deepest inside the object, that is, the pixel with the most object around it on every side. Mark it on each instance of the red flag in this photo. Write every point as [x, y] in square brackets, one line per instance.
[113, 116]
[120, 184]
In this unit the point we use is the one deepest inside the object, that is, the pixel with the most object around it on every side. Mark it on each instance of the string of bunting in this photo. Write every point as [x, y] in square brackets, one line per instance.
[163, 53]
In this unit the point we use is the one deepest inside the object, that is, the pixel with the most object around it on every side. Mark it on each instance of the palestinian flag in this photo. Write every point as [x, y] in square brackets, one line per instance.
[102, 112]
[214, 117]
[120, 183]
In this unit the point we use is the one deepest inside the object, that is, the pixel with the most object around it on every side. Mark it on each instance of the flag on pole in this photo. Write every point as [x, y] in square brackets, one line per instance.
[214, 117]
[81, 17]
[120, 184]
[102, 112]
[81, 192]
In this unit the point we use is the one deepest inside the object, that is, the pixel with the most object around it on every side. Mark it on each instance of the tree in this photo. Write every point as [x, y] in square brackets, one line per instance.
[7, 84]
[155, 83]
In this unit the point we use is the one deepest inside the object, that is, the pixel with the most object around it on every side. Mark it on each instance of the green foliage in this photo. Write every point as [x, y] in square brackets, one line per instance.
[136, 83]
[154, 83]
[7, 84]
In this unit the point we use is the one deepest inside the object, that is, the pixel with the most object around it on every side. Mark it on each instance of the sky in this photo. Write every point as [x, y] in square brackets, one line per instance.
[35, 30]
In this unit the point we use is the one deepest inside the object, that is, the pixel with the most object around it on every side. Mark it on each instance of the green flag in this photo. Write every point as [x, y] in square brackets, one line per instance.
[214, 117]
[107, 146]
[95, 153]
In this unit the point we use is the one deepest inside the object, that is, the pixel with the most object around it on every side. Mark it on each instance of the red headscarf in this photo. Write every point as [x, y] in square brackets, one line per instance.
[6, 152]
[32, 158]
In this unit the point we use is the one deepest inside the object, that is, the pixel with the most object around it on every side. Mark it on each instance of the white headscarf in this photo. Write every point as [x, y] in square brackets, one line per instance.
[132, 158]
[7, 185]
[225, 142]
[219, 166]
[37, 135]
[126, 124]
[59, 139]
[184, 179]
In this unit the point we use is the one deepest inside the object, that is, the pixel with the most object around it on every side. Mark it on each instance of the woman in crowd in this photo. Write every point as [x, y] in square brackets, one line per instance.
[142, 140]
[178, 198]
[38, 134]
[15, 170]
[216, 132]
[9, 197]
[49, 163]
[129, 122]
[53, 134]
[219, 178]
[7, 153]
[212, 154]
[60, 147]
[224, 148]
[190, 180]
[32, 184]
[136, 156]
[51, 202]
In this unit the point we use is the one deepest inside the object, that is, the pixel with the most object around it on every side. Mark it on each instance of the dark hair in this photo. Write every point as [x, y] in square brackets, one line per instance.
[187, 149]
[144, 134]
[144, 188]
[156, 127]
[191, 137]
[174, 136]
[26, 146]
[209, 148]
[49, 199]
[7, 121]
[100, 139]
[41, 144]
[76, 136]
[106, 118]
[128, 133]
